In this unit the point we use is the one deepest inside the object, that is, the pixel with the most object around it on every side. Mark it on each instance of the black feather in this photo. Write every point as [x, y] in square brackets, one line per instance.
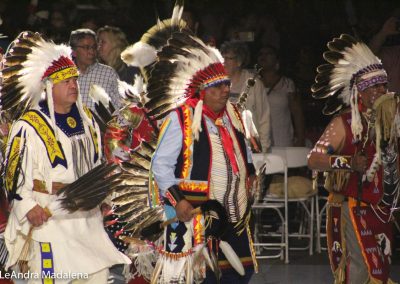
[19, 51]
[332, 56]
[349, 39]
[181, 40]
[11, 71]
[14, 60]
[100, 122]
[103, 112]
[11, 83]
[152, 229]
[25, 42]
[89, 190]
[325, 68]
[323, 78]
[320, 91]
[339, 44]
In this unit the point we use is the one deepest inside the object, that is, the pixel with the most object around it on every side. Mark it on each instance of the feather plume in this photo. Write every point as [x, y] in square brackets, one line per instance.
[26, 62]
[102, 102]
[134, 170]
[90, 190]
[132, 93]
[141, 160]
[139, 54]
[347, 57]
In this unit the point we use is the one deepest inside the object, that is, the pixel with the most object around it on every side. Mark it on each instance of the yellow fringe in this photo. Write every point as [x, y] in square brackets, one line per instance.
[385, 108]
[340, 272]
[22, 259]
[252, 251]
[373, 280]
[385, 111]
[336, 180]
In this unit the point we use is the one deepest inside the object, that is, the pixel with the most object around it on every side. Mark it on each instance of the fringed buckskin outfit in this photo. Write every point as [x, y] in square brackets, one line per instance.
[45, 152]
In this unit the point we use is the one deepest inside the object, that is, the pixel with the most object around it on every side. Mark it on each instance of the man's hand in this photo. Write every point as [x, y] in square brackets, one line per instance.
[359, 163]
[183, 210]
[37, 216]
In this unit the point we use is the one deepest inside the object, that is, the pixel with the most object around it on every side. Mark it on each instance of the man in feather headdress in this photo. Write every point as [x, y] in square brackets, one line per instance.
[202, 155]
[53, 142]
[359, 154]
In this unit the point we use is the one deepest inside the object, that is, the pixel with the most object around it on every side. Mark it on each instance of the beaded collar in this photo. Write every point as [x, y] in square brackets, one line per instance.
[71, 123]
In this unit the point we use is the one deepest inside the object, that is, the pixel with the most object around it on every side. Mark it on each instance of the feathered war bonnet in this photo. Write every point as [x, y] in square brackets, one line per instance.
[351, 68]
[31, 66]
[176, 66]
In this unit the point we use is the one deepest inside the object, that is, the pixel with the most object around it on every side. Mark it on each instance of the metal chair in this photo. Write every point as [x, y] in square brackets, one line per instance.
[320, 220]
[274, 164]
[296, 157]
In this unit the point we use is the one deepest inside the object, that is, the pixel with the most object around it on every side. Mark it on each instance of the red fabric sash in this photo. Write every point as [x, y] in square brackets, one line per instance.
[226, 138]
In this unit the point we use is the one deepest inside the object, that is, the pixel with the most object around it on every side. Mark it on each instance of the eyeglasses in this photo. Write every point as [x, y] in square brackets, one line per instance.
[88, 47]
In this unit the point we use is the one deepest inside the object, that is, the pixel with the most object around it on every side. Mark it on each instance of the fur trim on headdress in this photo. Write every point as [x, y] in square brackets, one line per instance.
[139, 54]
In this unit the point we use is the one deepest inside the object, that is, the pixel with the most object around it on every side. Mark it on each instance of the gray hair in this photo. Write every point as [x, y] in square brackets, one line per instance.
[79, 34]
[239, 49]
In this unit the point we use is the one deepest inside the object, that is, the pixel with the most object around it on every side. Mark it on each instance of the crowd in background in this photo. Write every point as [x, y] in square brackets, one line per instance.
[294, 33]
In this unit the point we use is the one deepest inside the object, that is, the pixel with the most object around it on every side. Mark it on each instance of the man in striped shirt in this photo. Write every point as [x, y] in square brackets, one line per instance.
[84, 51]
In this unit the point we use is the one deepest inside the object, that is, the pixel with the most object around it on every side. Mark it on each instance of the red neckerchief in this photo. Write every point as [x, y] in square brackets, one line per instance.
[226, 139]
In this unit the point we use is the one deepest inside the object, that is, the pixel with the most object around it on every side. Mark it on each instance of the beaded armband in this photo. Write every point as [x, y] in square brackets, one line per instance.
[174, 195]
[340, 162]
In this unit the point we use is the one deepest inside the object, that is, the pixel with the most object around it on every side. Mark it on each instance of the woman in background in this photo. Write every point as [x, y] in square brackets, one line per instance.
[287, 118]
[236, 57]
[112, 41]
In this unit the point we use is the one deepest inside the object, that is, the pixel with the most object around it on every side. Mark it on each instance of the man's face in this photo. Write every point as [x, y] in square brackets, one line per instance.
[65, 93]
[216, 97]
[85, 52]
[371, 94]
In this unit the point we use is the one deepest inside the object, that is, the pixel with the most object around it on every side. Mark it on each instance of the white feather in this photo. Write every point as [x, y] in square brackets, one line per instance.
[125, 88]
[139, 54]
[196, 124]
[98, 94]
[207, 258]
[234, 118]
[232, 257]
[38, 61]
